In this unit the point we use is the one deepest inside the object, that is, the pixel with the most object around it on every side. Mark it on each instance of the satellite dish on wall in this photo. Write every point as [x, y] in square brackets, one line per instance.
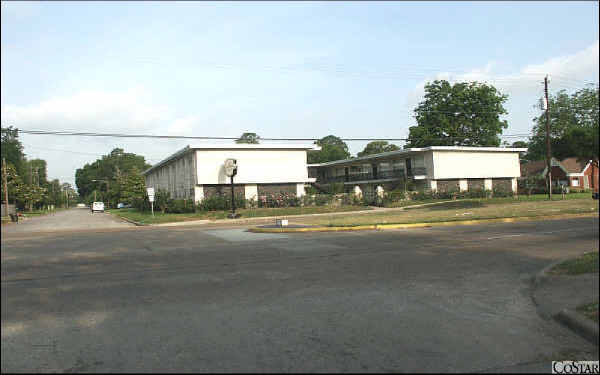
[230, 167]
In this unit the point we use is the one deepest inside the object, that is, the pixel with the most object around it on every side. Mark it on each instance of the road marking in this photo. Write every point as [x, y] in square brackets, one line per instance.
[506, 235]
[532, 233]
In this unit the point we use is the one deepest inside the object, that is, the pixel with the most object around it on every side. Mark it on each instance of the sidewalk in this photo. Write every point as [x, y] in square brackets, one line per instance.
[558, 296]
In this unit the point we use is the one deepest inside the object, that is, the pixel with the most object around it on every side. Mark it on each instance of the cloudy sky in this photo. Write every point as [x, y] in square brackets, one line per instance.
[280, 69]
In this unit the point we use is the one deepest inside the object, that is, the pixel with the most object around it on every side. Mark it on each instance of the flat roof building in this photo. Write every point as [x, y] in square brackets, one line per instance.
[196, 172]
[439, 168]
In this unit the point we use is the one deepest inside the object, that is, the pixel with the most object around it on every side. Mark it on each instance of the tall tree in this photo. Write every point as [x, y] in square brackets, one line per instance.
[11, 148]
[377, 147]
[13, 181]
[105, 171]
[460, 114]
[248, 138]
[573, 125]
[332, 148]
[133, 186]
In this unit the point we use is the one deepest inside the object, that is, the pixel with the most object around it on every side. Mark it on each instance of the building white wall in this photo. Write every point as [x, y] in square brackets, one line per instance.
[254, 166]
[178, 177]
[469, 164]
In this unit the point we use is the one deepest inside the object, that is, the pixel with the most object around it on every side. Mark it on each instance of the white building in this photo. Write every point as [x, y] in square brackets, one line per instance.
[441, 168]
[196, 172]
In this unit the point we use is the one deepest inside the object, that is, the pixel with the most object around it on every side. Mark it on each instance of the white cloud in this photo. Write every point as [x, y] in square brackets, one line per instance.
[525, 87]
[89, 110]
[568, 72]
[132, 111]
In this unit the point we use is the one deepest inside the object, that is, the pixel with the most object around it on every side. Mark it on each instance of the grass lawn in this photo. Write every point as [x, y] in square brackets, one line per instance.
[520, 198]
[462, 210]
[587, 263]
[590, 310]
[159, 217]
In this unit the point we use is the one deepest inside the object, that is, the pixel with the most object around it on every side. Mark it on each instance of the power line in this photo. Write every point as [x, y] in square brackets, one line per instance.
[121, 135]
[77, 152]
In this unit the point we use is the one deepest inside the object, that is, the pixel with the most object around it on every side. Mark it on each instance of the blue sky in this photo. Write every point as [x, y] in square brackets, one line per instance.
[280, 69]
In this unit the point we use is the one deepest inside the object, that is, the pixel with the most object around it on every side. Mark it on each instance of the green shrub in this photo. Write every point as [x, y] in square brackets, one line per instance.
[310, 190]
[222, 203]
[349, 199]
[279, 200]
[501, 193]
[323, 199]
[180, 206]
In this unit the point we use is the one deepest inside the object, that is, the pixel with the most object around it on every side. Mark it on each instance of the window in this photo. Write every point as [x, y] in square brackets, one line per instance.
[575, 182]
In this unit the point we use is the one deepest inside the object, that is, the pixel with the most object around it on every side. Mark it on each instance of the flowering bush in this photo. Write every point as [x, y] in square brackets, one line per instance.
[278, 200]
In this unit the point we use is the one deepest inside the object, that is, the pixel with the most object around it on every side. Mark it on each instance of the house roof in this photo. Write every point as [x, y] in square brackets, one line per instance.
[572, 165]
[569, 165]
[533, 168]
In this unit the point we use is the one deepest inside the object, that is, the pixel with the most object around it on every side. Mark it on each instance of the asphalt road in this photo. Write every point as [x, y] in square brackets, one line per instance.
[186, 299]
[73, 219]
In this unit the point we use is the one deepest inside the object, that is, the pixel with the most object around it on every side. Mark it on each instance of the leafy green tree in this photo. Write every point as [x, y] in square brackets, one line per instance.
[460, 114]
[377, 147]
[573, 125]
[31, 195]
[248, 138]
[332, 148]
[11, 149]
[133, 186]
[108, 168]
[35, 172]
[13, 181]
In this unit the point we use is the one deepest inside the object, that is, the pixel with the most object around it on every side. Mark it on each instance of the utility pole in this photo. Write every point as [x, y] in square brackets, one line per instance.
[5, 185]
[548, 150]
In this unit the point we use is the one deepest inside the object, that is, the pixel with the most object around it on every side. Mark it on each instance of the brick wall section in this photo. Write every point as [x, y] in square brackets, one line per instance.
[267, 189]
[588, 173]
[475, 184]
[504, 184]
[224, 190]
[447, 185]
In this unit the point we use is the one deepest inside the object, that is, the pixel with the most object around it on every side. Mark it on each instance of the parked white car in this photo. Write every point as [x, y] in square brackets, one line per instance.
[97, 207]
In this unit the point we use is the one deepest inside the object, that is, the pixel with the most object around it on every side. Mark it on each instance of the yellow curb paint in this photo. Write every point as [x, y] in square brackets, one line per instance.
[420, 225]
[313, 229]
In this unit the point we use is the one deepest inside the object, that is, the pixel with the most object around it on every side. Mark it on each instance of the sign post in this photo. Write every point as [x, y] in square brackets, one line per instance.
[230, 171]
[151, 198]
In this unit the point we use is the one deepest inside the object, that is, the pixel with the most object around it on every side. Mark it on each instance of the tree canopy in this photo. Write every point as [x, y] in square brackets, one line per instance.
[106, 171]
[332, 148]
[12, 149]
[460, 114]
[573, 126]
[377, 147]
[248, 138]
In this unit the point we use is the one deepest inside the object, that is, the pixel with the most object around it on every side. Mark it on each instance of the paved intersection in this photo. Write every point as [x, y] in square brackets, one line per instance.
[191, 299]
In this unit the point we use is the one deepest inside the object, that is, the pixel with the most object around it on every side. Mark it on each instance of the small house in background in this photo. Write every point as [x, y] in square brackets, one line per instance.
[567, 172]
[435, 168]
[198, 172]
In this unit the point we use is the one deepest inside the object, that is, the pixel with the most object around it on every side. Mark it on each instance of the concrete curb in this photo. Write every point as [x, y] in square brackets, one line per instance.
[580, 324]
[418, 225]
[571, 319]
[131, 221]
[371, 210]
[541, 276]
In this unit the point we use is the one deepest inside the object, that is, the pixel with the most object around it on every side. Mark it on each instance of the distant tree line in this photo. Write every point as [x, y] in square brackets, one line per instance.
[114, 178]
[27, 179]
